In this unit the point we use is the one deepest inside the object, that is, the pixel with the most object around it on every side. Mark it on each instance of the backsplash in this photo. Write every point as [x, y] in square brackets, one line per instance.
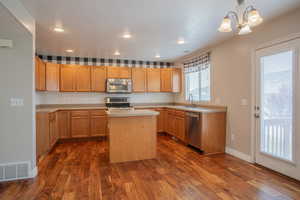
[104, 62]
[98, 98]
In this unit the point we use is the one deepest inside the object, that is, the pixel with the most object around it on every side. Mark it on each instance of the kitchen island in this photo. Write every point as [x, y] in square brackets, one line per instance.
[132, 135]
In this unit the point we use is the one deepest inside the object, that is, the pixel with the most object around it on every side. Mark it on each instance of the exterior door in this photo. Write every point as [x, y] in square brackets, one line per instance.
[277, 109]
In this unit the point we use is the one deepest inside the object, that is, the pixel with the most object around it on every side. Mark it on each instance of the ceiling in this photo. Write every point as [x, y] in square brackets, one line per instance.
[94, 28]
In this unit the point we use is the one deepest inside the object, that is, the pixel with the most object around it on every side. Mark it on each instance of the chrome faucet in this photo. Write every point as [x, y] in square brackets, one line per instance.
[191, 99]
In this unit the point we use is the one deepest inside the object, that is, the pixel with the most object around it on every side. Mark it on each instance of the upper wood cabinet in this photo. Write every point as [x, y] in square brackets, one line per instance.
[118, 72]
[74, 78]
[176, 80]
[153, 80]
[166, 80]
[68, 78]
[40, 74]
[139, 79]
[83, 79]
[98, 79]
[52, 76]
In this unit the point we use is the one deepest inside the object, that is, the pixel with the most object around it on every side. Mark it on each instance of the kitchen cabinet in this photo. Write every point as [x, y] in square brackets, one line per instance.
[213, 132]
[40, 75]
[63, 121]
[68, 78]
[175, 124]
[83, 79]
[179, 123]
[176, 80]
[53, 133]
[98, 79]
[98, 123]
[160, 120]
[139, 77]
[80, 124]
[42, 134]
[52, 76]
[153, 80]
[166, 80]
[118, 72]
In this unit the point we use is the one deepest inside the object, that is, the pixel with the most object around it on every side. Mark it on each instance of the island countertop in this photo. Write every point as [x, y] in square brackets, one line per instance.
[131, 113]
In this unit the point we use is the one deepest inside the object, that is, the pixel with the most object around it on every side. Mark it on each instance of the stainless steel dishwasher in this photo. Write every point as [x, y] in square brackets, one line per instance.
[193, 121]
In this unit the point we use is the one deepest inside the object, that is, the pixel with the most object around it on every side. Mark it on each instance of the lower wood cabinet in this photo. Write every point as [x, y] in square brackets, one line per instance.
[53, 133]
[80, 124]
[175, 124]
[63, 123]
[98, 123]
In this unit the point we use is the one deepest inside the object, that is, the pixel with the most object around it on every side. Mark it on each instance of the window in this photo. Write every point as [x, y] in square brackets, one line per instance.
[197, 79]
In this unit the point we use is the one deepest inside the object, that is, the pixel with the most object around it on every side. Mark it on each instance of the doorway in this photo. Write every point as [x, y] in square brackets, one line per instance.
[277, 112]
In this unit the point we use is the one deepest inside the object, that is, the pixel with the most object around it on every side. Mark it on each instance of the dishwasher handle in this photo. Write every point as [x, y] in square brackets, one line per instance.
[193, 115]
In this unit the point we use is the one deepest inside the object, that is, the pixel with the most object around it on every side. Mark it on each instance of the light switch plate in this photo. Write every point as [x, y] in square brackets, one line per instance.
[14, 102]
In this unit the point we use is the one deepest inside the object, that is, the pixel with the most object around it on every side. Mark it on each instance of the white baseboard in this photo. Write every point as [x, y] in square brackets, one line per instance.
[239, 155]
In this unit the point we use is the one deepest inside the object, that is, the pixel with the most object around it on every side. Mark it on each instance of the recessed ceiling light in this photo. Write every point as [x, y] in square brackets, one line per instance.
[157, 56]
[127, 35]
[58, 29]
[117, 53]
[181, 41]
[70, 50]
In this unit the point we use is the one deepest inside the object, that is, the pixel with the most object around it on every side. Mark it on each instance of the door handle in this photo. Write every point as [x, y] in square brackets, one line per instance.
[256, 115]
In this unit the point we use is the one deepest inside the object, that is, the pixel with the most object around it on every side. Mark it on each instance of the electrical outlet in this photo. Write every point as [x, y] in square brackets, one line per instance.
[244, 102]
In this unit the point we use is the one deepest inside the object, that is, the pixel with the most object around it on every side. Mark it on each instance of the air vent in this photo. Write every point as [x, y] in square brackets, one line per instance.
[14, 171]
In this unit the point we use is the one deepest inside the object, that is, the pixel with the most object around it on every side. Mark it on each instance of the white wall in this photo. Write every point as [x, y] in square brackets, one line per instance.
[231, 75]
[98, 98]
[17, 135]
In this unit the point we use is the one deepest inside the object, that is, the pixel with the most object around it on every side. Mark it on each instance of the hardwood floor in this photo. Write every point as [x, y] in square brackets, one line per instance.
[80, 170]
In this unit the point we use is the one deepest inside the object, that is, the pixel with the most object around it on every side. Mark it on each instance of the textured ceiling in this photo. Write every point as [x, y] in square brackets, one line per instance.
[93, 28]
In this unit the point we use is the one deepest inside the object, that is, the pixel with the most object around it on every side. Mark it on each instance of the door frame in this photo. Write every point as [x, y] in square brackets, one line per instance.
[254, 67]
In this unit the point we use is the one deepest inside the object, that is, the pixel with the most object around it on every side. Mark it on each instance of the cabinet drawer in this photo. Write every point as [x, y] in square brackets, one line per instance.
[97, 112]
[180, 113]
[80, 113]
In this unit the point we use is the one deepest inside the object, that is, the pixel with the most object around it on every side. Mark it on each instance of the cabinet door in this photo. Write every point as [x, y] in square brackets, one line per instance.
[52, 129]
[68, 78]
[180, 128]
[52, 77]
[139, 79]
[170, 123]
[83, 79]
[98, 125]
[160, 120]
[176, 79]
[153, 80]
[166, 80]
[113, 72]
[80, 124]
[40, 75]
[98, 78]
[42, 134]
[63, 120]
[124, 72]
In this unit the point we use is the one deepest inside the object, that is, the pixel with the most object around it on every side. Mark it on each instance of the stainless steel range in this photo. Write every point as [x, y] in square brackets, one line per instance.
[117, 103]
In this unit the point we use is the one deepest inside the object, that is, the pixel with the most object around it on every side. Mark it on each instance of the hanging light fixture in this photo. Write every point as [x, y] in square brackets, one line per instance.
[248, 19]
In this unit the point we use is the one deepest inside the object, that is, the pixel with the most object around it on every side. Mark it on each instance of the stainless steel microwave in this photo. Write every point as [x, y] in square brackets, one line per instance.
[118, 85]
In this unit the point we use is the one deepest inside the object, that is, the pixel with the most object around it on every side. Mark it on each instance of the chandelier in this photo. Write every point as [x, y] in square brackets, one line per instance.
[244, 21]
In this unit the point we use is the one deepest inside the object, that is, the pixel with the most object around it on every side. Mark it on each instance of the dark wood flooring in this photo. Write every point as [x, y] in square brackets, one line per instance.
[80, 170]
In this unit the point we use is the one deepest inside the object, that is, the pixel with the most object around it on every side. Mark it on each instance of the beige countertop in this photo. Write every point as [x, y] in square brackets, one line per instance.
[55, 107]
[131, 113]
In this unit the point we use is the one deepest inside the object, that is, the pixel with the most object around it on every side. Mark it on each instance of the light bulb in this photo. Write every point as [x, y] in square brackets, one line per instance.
[226, 25]
[245, 29]
[254, 18]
